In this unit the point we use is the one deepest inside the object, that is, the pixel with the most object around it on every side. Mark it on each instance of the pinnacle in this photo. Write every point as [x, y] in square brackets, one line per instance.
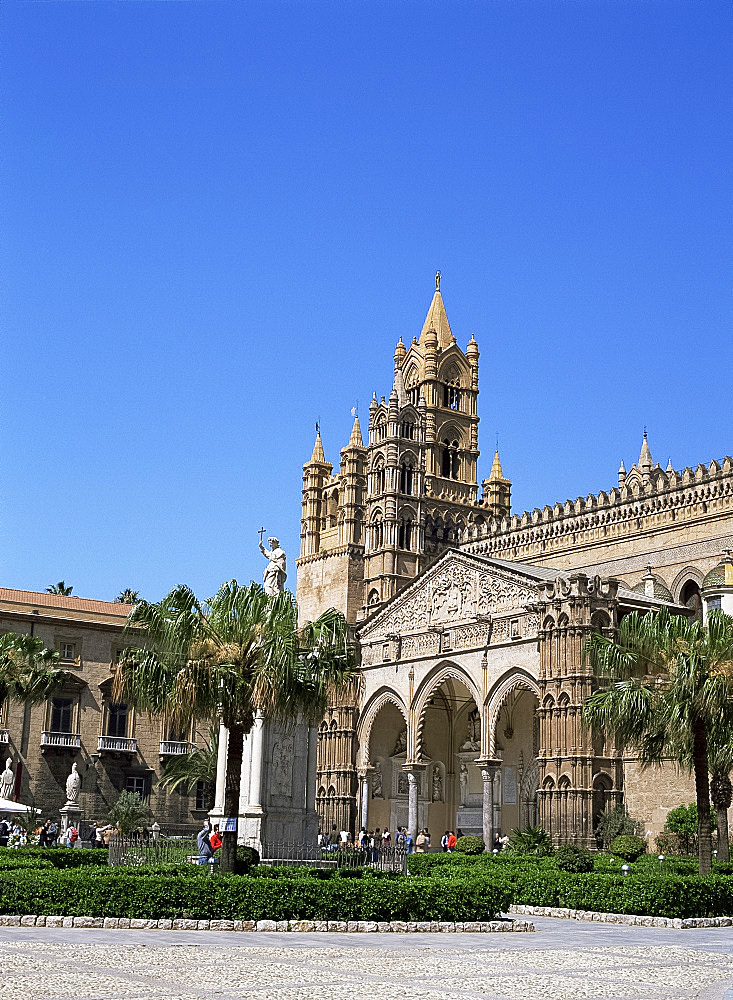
[437, 321]
[355, 441]
[645, 456]
[318, 455]
[496, 472]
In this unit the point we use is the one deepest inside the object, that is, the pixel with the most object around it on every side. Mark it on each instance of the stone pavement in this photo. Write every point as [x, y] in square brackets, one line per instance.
[564, 960]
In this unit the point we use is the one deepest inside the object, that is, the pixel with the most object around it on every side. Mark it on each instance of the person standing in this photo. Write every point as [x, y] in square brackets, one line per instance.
[206, 851]
[452, 840]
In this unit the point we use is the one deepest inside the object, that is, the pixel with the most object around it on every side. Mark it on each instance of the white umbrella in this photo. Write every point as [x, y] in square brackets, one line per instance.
[7, 806]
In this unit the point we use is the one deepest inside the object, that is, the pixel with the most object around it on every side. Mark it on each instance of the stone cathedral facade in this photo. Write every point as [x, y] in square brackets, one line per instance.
[471, 619]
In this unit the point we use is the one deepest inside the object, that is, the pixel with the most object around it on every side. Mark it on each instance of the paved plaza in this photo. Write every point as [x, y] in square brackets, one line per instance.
[563, 960]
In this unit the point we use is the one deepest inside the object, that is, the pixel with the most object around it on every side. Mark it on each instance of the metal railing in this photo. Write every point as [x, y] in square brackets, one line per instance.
[122, 744]
[146, 848]
[173, 748]
[392, 858]
[49, 739]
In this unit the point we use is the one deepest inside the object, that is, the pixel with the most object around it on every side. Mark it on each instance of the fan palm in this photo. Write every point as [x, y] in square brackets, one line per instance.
[127, 596]
[27, 669]
[186, 770]
[59, 588]
[667, 685]
[232, 657]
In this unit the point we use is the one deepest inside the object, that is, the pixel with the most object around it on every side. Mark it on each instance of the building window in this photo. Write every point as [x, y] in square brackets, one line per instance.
[380, 431]
[380, 478]
[137, 783]
[451, 397]
[405, 534]
[202, 794]
[450, 462]
[68, 652]
[414, 395]
[408, 430]
[406, 478]
[61, 713]
[714, 603]
[117, 719]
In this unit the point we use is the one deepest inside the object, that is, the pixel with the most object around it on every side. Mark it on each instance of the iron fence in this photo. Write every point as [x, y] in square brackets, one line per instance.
[143, 848]
[392, 858]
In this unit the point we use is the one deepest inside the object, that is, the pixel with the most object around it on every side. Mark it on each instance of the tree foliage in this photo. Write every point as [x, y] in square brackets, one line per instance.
[28, 671]
[616, 823]
[129, 812]
[59, 588]
[666, 690]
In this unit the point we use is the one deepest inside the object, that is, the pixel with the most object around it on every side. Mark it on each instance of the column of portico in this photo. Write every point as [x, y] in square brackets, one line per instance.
[414, 771]
[365, 781]
[488, 766]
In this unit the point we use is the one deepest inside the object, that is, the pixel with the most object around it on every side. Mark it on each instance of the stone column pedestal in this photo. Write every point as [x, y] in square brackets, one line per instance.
[70, 816]
[488, 767]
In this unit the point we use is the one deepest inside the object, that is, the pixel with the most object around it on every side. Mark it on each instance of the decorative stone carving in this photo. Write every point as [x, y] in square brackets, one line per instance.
[401, 743]
[437, 785]
[403, 782]
[427, 644]
[473, 732]
[455, 590]
[470, 636]
[463, 781]
[7, 780]
[282, 765]
[377, 782]
[73, 785]
[273, 579]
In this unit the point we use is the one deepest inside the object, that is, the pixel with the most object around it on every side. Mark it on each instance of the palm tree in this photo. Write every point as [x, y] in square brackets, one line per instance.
[127, 596]
[186, 770]
[238, 654]
[667, 684]
[720, 758]
[59, 588]
[27, 669]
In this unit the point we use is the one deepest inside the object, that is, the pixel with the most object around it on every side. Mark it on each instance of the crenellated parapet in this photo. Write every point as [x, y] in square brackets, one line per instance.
[667, 499]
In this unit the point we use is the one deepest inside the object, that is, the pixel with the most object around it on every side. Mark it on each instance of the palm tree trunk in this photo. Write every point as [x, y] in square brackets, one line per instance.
[235, 749]
[702, 794]
[723, 841]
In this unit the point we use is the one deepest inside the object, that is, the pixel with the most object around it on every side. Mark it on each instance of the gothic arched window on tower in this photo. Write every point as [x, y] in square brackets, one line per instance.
[414, 395]
[405, 533]
[408, 430]
[449, 460]
[379, 483]
[451, 397]
[333, 502]
[377, 532]
[380, 431]
[406, 477]
[690, 595]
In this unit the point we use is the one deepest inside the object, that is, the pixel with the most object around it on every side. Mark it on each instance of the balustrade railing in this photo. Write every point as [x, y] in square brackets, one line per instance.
[121, 744]
[174, 748]
[50, 739]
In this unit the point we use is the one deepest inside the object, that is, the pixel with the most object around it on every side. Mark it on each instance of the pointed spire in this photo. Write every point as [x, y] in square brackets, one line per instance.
[436, 319]
[496, 472]
[669, 466]
[399, 388]
[645, 456]
[622, 468]
[355, 440]
[318, 455]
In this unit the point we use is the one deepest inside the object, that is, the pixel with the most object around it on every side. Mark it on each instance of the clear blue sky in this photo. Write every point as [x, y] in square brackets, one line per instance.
[218, 218]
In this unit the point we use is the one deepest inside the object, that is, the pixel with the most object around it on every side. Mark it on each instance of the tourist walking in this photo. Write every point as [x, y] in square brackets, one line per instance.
[206, 851]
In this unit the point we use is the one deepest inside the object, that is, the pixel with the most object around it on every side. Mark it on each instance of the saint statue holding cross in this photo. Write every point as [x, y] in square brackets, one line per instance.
[273, 579]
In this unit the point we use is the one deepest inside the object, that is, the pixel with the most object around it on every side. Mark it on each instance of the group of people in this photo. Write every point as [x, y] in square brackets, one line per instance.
[208, 843]
[13, 834]
[448, 841]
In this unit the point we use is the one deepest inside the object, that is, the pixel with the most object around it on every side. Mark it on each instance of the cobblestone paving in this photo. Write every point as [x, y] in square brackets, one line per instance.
[79, 965]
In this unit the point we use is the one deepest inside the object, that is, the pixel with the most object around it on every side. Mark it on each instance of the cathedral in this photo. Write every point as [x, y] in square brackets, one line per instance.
[471, 619]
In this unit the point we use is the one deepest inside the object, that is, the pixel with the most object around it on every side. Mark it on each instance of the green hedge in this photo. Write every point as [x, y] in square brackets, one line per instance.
[59, 857]
[151, 895]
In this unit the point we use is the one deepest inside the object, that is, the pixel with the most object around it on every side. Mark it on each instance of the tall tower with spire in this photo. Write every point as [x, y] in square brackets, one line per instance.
[411, 491]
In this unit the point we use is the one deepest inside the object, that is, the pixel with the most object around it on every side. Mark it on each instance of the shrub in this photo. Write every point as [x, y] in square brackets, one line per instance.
[629, 848]
[247, 858]
[129, 812]
[58, 857]
[570, 858]
[532, 840]
[150, 894]
[681, 824]
[617, 823]
[470, 845]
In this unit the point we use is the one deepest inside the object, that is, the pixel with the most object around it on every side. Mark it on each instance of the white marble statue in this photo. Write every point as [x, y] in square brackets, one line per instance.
[473, 732]
[273, 579]
[73, 785]
[463, 779]
[7, 780]
[437, 786]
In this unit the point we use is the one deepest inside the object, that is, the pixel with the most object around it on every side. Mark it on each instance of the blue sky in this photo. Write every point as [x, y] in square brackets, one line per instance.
[218, 218]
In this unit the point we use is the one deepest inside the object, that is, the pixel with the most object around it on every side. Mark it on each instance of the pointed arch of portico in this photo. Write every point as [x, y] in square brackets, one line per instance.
[380, 698]
[496, 698]
[428, 688]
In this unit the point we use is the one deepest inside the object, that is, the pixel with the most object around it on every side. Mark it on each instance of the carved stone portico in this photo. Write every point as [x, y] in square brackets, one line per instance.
[475, 673]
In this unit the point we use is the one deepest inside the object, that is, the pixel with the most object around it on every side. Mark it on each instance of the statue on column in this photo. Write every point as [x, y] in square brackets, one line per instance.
[7, 780]
[463, 779]
[273, 579]
[437, 785]
[73, 785]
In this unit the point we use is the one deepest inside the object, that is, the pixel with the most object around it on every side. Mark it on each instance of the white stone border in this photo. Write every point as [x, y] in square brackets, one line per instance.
[307, 926]
[629, 919]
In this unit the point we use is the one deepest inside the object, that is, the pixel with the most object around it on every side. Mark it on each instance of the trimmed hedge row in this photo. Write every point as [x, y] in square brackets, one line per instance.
[243, 897]
[58, 857]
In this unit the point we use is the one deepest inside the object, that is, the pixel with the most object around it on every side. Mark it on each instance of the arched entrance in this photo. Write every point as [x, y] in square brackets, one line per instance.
[516, 741]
